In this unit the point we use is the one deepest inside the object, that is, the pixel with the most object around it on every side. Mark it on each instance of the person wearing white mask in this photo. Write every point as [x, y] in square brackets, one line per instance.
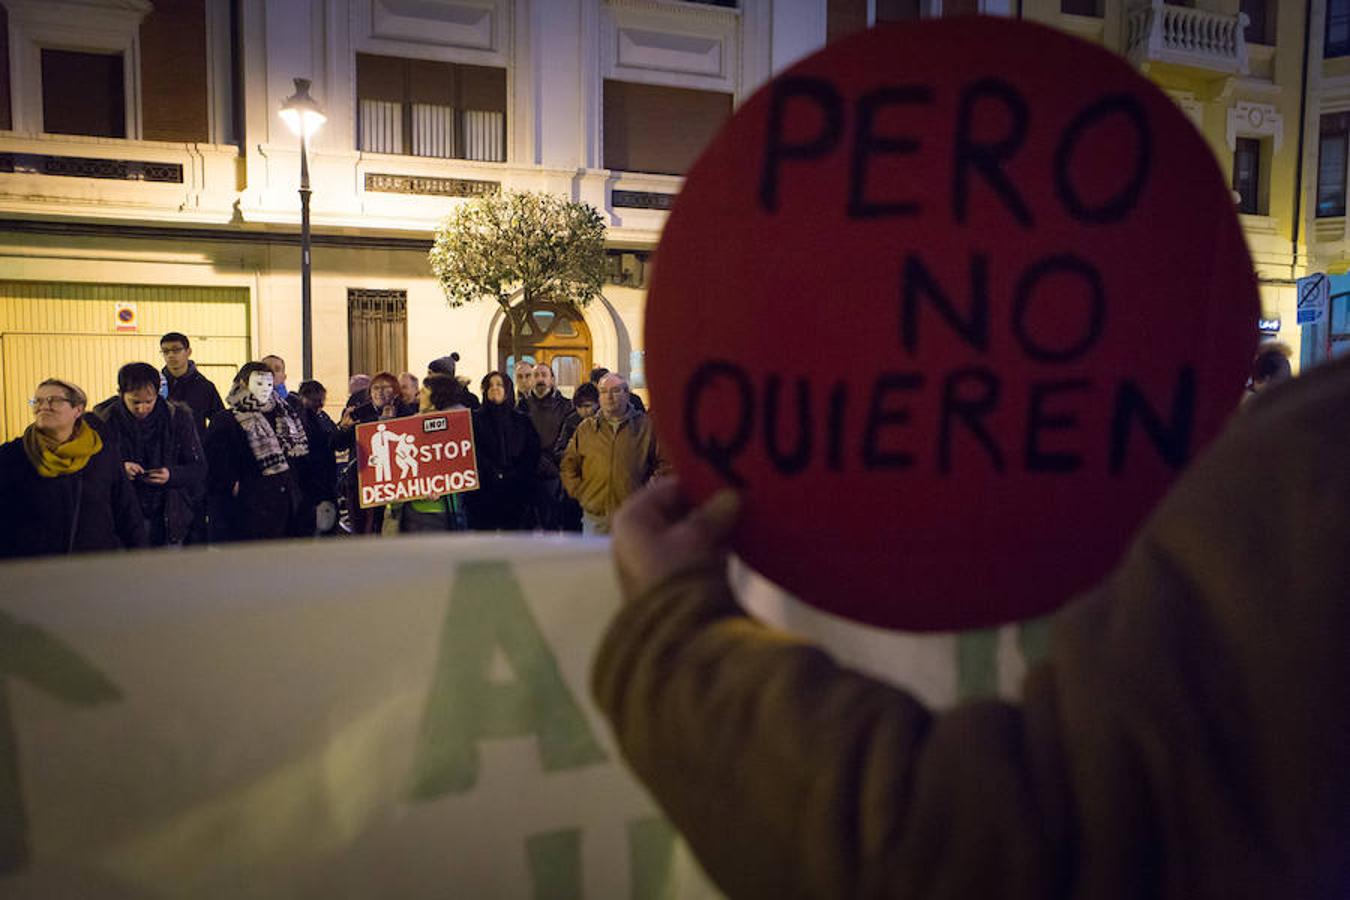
[255, 456]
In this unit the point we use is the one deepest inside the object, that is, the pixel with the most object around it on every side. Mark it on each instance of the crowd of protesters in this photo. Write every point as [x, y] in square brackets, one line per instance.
[167, 462]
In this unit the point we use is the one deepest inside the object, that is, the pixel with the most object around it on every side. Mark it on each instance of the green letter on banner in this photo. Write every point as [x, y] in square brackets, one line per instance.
[977, 656]
[977, 664]
[38, 658]
[488, 612]
[555, 864]
[651, 845]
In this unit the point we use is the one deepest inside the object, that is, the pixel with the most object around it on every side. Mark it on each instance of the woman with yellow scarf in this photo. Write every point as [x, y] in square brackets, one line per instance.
[62, 485]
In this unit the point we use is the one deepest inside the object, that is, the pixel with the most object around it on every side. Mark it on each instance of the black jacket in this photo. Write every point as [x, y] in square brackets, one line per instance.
[94, 509]
[506, 448]
[547, 414]
[265, 506]
[318, 473]
[174, 446]
[232, 461]
[569, 428]
[198, 394]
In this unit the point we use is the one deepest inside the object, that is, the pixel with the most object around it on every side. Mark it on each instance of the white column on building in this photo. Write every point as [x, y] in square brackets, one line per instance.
[558, 78]
[220, 76]
[798, 31]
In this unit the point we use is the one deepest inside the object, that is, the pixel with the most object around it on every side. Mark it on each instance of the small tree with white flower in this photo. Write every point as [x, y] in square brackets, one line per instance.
[517, 243]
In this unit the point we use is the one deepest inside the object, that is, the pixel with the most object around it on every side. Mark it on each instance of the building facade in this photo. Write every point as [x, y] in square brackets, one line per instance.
[148, 184]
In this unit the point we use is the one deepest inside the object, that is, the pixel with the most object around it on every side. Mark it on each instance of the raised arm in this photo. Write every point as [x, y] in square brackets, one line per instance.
[1180, 741]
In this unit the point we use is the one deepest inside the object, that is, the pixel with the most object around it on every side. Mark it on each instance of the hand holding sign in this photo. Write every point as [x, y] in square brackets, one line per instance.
[952, 303]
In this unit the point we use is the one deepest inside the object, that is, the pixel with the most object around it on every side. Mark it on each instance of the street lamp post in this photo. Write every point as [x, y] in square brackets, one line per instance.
[302, 115]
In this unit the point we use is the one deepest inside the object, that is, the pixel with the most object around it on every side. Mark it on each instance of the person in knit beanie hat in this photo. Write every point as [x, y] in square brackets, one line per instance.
[445, 365]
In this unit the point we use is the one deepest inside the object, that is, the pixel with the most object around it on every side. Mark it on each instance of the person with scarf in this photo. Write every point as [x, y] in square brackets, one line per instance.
[507, 450]
[257, 455]
[160, 452]
[383, 402]
[62, 486]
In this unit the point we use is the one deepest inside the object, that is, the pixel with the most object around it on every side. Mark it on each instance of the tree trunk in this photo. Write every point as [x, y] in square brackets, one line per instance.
[516, 321]
[513, 323]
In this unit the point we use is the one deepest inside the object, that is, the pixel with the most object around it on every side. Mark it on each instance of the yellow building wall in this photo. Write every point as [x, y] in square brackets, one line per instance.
[1274, 78]
[238, 301]
[70, 330]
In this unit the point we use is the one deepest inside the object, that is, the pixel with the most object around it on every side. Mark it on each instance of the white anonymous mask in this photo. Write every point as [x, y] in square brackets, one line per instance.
[260, 386]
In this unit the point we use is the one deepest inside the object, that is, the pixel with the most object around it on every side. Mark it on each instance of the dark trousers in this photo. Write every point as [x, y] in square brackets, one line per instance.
[546, 505]
[266, 508]
[499, 508]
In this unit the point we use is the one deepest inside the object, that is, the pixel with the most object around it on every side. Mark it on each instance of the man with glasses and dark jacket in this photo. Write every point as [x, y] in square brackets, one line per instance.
[185, 384]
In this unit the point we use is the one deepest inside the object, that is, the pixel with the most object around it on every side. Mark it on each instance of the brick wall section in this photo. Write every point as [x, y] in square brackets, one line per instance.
[174, 100]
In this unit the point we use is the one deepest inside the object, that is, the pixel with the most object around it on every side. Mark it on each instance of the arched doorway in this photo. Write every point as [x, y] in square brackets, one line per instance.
[554, 334]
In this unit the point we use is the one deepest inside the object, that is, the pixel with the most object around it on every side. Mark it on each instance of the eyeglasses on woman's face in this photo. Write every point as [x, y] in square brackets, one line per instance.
[53, 402]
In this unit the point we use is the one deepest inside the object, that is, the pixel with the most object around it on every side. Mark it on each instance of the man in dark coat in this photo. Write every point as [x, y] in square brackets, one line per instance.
[317, 473]
[187, 385]
[585, 401]
[547, 409]
[184, 384]
[319, 478]
[161, 453]
[62, 485]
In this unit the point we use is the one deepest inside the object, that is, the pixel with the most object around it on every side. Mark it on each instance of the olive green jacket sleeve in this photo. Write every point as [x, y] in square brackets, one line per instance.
[1187, 737]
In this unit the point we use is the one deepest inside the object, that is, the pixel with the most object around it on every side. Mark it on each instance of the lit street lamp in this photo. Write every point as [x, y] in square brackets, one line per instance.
[303, 116]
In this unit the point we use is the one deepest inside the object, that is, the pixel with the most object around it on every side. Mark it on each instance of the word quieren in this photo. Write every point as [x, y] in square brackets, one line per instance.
[968, 396]
[417, 488]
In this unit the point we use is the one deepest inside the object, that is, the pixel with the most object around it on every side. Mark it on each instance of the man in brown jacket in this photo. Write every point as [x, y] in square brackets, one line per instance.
[611, 455]
[1186, 738]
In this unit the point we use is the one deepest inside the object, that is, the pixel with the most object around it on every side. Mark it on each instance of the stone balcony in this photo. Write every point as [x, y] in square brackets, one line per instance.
[1202, 42]
[114, 178]
[160, 183]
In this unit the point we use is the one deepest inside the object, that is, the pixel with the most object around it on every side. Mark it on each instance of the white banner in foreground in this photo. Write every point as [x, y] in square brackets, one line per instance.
[351, 718]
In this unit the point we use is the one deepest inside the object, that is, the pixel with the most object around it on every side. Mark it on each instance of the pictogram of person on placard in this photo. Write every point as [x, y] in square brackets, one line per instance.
[405, 454]
[379, 452]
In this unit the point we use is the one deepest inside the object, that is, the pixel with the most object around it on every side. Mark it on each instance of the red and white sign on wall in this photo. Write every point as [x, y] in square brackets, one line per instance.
[415, 458]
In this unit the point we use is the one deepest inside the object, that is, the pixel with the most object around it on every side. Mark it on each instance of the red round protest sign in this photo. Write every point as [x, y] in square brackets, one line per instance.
[952, 303]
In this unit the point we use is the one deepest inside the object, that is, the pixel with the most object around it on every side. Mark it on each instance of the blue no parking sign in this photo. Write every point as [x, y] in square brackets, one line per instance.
[1313, 293]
